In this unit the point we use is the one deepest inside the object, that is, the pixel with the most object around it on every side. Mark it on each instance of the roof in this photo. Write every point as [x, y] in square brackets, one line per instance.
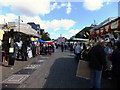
[104, 23]
[85, 29]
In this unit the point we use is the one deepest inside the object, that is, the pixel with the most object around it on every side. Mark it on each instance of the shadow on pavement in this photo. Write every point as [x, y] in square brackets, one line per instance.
[63, 75]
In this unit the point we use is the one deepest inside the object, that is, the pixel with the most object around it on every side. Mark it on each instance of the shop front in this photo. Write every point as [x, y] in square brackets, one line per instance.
[11, 37]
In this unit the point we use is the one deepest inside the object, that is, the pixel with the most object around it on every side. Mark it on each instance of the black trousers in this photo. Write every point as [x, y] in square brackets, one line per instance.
[19, 53]
[116, 81]
[24, 56]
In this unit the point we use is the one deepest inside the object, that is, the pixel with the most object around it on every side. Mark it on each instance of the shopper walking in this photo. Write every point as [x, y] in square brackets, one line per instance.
[77, 51]
[37, 48]
[62, 47]
[24, 51]
[33, 49]
[97, 63]
[108, 51]
[19, 44]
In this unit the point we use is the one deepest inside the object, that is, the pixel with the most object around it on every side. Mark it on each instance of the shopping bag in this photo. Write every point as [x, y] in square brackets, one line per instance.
[29, 51]
[83, 70]
[30, 54]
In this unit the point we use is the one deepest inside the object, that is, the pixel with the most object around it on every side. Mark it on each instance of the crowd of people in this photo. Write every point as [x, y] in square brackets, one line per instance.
[104, 61]
[103, 57]
[24, 50]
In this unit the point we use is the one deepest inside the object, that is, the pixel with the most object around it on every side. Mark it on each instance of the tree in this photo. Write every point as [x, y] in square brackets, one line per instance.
[45, 37]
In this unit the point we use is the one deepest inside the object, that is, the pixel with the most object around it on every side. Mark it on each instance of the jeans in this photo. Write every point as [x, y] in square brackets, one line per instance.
[95, 78]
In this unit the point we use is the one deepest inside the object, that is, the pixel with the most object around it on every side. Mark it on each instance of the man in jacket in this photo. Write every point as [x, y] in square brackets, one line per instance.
[116, 65]
[77, 51]
[97, 63]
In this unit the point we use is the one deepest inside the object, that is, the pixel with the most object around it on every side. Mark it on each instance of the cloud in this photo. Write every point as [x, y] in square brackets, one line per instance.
[108, 2]
[67, 5]
[96, 4]
[69, 8]
[6, 2]
[28, 7]
[93, 4]
[70, 33]
[63, 4]
[73, 32]
[54, 6]
[33, 7]
[7, 18]
[54, 25]
[66, 36]
[63, 24]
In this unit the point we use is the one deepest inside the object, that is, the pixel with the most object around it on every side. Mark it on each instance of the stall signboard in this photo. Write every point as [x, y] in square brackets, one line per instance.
[101, 30]
[106, 27]
[97, 32]
[114, 25]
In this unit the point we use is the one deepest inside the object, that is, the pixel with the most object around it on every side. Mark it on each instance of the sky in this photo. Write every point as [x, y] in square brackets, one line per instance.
[65, 17]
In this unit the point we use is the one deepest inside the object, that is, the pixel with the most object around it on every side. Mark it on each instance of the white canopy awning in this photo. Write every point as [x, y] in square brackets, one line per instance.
[24, 28]
[80, 39]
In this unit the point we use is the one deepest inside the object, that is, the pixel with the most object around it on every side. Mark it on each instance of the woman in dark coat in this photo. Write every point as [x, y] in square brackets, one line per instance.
[24, 51]
[116, 65]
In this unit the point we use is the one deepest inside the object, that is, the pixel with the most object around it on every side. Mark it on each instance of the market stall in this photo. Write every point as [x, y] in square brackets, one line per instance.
[109, 30]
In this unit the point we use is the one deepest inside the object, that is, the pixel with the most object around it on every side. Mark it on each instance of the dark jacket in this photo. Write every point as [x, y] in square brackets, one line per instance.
[116, 62]
[97, 58]
[24, 49]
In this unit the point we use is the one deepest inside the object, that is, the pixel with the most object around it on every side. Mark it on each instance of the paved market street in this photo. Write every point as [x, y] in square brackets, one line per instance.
[52, 71]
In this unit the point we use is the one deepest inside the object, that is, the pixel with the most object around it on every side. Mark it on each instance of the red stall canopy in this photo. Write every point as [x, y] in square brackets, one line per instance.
[109, 28]
[104, 30]
[50, 42]
[118, 28]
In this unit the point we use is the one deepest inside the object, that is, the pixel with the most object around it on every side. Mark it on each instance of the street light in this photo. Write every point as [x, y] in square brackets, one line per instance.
[19, 23]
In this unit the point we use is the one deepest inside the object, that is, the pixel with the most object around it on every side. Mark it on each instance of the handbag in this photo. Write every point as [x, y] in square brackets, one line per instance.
[83, 70]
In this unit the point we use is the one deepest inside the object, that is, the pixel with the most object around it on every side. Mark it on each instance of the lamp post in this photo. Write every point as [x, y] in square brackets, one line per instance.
[19, 23]
[19, 19]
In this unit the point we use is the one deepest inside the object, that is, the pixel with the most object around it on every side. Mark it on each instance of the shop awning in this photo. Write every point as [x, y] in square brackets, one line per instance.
[80, 39]
[109, 29]
[41, 41]
[23, 28]
[50, 42]
[104, 30]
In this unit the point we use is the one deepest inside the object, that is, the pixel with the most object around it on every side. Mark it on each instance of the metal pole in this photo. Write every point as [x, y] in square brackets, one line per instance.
[19, 22]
